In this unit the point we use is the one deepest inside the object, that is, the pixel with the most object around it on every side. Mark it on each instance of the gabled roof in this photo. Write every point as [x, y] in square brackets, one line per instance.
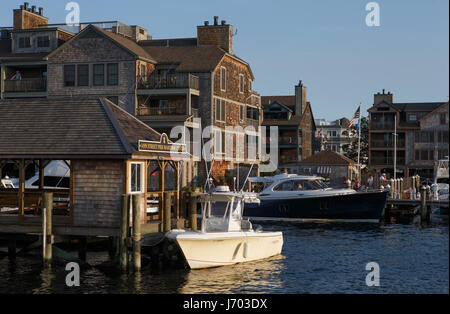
[123, 42]
[420, 106]
[69, 128]
[274, 103]
[288, 101]
[187, 58]
[432, 112]
[327, 157]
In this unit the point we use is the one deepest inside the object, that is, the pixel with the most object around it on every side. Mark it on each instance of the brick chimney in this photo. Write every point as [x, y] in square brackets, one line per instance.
[217, 34]
[380, 97]
[300, 98]
[26, 17]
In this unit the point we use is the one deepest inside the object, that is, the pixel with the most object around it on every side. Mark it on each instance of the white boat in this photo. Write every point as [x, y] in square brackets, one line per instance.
[440, 184]
[225, 237]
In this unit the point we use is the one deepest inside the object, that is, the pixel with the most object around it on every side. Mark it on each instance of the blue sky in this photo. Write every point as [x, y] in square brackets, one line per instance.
[325, 43]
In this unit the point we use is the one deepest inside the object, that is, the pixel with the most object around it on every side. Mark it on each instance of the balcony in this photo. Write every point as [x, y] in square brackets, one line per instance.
[30, 85]
[252, 122]
[381, 126]
[169, 81]
[166, 111]
[387, 161]
[287, 140]
[386, 144]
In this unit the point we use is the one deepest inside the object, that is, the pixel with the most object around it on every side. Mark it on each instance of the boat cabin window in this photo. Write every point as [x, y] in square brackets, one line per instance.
[285, 186]
[300, 185]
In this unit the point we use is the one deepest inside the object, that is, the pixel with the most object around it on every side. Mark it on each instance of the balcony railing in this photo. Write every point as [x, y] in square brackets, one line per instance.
[252, 122]
[383, 161]
[287, 140]
[382, 126]
[286, 159]
[177, 80]
[162, 111]
[386, 144]
[26, 85]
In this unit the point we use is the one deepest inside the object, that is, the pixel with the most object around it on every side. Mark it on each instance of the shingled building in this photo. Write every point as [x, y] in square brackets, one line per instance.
[164, 82]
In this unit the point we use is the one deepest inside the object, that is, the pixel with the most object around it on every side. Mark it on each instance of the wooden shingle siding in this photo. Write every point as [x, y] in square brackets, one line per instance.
[98, 188]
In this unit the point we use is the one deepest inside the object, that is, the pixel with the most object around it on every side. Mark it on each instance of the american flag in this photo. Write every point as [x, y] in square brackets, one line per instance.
[356, 116]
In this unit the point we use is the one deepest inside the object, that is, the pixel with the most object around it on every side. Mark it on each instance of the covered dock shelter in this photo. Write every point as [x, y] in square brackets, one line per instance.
[109, 153]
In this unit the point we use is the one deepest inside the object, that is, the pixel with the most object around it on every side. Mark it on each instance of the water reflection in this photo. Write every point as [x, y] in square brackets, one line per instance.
[251, 277]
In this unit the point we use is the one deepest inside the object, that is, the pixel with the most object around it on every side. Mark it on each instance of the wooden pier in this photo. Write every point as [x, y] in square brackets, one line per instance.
[118, 169]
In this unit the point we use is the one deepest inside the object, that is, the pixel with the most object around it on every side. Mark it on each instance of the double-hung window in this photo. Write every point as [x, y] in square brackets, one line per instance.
[136, 177]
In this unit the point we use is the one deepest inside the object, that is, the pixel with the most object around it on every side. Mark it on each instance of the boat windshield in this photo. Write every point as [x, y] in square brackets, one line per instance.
[300, 185]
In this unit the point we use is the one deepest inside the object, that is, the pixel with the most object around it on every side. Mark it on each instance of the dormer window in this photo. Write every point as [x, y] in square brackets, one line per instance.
[25, 42]
[43, 41]
[412, 117]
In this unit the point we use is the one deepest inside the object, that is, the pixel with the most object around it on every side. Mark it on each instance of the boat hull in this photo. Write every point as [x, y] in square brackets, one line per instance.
[359, 206]
[205, 250]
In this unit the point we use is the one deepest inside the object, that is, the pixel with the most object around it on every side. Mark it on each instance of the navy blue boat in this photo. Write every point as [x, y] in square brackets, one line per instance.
[308, 197]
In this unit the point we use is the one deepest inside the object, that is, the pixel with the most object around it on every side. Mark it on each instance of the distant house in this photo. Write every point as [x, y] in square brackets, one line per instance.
[422, 139]
[295, 121]
[328, 164]
[334, 135]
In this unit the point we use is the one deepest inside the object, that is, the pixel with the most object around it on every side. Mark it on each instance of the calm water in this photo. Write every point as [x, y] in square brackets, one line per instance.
[316, 258]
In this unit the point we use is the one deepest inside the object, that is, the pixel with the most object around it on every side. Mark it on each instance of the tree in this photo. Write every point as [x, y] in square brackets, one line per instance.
[351, 150]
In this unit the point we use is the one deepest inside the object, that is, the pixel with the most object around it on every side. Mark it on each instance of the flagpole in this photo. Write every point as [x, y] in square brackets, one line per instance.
[359, 144]
[395, 146]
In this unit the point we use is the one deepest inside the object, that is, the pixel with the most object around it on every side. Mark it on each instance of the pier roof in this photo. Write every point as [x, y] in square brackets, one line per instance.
[70, 129]
[326, 158]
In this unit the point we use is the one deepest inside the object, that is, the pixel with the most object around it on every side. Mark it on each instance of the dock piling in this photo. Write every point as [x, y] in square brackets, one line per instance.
[138, 201]
[193, 212]
[423, 204]
[167, 212]
[47, 236]
[123, 248]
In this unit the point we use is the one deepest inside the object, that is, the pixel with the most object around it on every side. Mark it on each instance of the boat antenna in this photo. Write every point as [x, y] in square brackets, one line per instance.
[248, 175]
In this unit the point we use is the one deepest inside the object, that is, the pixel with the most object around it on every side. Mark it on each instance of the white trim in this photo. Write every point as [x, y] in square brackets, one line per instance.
[236, 102]
[243, 84]
[225, 89]
[142, 177]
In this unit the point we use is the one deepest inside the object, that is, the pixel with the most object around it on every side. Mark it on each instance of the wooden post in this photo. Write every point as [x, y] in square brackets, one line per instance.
[167, 213]
[47, 237]
[71, 191]
[123, 248]
[392, 188]
[162, 167]
[2, 82]
[138, 201]
[12, 248]
[423, 203]
[193, 212]
[177, 187]
[21, 187]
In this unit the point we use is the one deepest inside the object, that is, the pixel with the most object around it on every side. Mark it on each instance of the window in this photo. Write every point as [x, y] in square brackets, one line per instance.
[412, 117]
[424, 137]
[442, 118]
[143, 70]
[220, 110]
[285, 186]
[223, 78]
[219, 142]
[25, 42]
[241, 113]
[113, 99]
[43, 41]
[99, 75]
[113, 74]
[249, 85]
[69, 75]
[241, 83]
[163, 104]
[136, 177]
[83, 74]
